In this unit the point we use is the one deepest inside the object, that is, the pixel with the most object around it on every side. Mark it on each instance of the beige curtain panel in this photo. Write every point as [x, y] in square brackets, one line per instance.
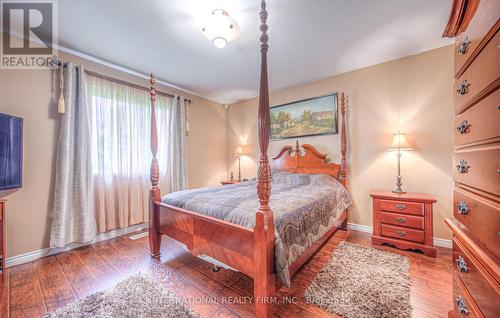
[73, 219]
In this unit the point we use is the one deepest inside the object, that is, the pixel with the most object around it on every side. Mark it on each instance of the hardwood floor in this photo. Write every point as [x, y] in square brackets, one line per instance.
[32, 289]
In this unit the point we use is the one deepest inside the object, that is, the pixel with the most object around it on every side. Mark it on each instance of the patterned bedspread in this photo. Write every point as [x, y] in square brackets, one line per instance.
[305, 207]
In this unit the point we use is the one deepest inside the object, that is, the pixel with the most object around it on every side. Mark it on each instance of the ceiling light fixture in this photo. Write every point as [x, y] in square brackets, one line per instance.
[220, 28]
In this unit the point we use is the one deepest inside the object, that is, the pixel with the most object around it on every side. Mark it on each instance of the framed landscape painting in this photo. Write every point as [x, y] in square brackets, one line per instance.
[308, 117]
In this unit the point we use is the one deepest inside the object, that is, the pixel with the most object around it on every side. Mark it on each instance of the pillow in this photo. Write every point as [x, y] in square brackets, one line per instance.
[283, 177]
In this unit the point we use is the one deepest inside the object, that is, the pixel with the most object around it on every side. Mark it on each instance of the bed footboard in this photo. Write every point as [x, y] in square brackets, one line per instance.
[229, 243]
[250, 251]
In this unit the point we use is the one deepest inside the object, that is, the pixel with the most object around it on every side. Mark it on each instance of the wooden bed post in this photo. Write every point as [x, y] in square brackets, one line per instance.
[343, 150]
[154, 231]
[343, 143]
[264, 277]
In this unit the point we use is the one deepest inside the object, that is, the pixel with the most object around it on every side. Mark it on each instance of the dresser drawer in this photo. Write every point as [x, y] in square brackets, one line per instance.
[483, 21]
[462, 302]
[478, 168]
[483, 293]
[416, 222]
[479, 123]
[402, 207]
[481, 217]
[402, 233]
[483, 71]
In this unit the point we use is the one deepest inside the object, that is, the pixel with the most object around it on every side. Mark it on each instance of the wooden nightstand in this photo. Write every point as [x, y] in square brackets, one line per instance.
[403, 220]
[226, 182]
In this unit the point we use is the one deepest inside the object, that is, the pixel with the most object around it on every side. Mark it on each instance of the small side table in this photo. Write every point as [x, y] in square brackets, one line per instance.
[403, 221]
[226, 182]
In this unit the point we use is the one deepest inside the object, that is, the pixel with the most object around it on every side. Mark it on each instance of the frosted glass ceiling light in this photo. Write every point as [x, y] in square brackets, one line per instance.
[220, 28]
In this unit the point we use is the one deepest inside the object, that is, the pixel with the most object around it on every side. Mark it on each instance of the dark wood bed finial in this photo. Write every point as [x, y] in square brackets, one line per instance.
[264, 287]
[154, 234]
[343, 142]
[263, 28]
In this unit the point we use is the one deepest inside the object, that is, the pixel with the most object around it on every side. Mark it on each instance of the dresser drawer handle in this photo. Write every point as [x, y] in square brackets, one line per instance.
[462, 166]
[462, 47]
[460, 301]
[463, 128]
[463, 208]
[463, 88]
[461, 265]
[401, 233]
[401, 220]
[400, 206]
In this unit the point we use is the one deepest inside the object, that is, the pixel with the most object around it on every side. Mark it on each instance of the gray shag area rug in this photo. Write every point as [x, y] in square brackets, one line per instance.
[359, 282]
[138, 296]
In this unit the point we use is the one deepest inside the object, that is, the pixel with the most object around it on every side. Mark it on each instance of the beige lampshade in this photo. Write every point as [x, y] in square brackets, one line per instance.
[238, 152]
[399, 142]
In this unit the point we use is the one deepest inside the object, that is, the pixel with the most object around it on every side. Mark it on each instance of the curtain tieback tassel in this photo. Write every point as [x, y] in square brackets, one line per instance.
[61, 106]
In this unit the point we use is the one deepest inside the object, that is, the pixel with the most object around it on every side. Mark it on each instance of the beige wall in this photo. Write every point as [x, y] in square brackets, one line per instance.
[31, 94]
[412, 94]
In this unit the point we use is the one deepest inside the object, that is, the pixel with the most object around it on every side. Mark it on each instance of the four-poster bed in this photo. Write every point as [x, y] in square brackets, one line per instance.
[249, 250]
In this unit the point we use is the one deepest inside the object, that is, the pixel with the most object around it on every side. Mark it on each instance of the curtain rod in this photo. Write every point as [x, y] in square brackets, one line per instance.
[119, 81]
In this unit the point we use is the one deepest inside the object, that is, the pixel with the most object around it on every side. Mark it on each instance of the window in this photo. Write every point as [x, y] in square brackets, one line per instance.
[121, 154]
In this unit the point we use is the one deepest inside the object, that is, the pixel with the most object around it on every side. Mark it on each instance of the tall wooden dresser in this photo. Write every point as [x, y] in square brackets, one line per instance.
[476, 158]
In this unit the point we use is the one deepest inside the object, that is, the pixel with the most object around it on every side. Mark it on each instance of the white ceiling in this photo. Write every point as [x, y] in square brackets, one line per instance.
[309, 39]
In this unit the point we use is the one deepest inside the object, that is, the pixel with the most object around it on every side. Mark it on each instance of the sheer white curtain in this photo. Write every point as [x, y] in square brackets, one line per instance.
[173, 154]
[121, 155]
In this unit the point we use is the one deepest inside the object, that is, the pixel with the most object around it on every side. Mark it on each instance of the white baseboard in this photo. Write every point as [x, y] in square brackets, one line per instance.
[360, 227]
[31, 256]
[138, 236]
[442, 242]
[369, 229]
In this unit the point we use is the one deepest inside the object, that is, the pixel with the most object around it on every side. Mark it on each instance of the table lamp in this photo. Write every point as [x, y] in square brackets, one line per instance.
[238, 154]
[399, 143]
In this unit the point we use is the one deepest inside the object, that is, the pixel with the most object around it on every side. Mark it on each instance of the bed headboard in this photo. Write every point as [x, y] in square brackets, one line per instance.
[304, 159]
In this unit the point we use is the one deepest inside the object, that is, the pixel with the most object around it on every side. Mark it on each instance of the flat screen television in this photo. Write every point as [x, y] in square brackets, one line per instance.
[11, 152]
